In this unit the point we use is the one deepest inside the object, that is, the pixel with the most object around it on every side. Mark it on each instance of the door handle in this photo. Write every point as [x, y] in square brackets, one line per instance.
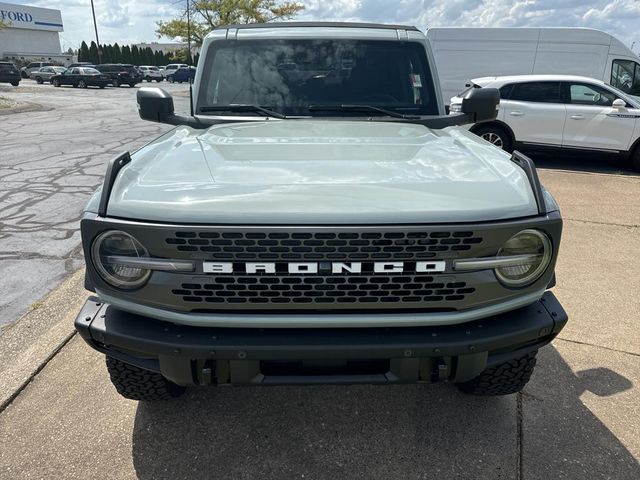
[577, 117]
[516, 113]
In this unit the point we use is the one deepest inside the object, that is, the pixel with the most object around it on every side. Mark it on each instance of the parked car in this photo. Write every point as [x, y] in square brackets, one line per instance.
[120, 73]
[9, 73]
[172, 67]
[464, 53]
[560, 112]
[82, 77]
[32, 67]
[182, 74]
[44, 74]
[151, 73]
[81, 64]
[359, 242]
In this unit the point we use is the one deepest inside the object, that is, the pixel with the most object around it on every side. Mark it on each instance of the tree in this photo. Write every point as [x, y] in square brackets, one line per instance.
[93, 53]
[117, 53]
[83, 53]
[135, 55]
[208, 14]
[126, 54]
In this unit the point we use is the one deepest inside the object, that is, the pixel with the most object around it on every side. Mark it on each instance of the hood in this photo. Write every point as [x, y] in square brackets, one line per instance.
[320, 172]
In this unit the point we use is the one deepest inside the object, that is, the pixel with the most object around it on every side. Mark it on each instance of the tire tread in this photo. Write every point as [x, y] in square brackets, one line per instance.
[136, 383]
[503, 379]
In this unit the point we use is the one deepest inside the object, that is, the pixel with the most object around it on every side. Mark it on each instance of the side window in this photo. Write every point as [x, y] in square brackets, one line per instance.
[505, 92]
[75, 71]
[625, 75]
[33, 65]
[542, 92]
[583, 94]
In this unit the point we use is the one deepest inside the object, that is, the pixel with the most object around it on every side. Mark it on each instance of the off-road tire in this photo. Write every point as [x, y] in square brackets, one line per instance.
[503, 379]
[496, 135]
[137, 384]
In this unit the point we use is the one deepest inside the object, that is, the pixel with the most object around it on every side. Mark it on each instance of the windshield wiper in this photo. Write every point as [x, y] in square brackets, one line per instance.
[360, 108]
[242, 107]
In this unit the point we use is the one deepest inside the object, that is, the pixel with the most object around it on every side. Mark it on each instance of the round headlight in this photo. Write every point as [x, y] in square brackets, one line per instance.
[531, 250]
[110, 253]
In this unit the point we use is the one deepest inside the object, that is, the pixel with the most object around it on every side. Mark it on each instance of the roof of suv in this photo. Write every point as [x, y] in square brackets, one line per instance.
[318, 24]
[485, 81]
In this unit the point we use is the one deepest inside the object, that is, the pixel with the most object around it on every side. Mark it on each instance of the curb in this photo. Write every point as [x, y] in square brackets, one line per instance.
[28, 344]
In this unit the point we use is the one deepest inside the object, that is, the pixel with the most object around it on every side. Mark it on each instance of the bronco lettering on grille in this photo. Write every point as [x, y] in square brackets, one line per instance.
[319, 267]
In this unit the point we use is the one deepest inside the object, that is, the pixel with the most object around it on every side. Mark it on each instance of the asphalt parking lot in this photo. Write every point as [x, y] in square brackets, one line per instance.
[579, 418]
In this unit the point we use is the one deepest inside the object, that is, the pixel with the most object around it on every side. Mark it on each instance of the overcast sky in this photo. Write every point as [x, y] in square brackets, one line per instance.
[129, 21]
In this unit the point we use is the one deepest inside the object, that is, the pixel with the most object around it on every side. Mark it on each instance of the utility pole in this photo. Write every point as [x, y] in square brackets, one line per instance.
[188, 33]
[95, 25]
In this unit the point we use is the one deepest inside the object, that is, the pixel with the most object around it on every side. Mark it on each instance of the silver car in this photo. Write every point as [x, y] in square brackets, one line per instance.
[44, 74]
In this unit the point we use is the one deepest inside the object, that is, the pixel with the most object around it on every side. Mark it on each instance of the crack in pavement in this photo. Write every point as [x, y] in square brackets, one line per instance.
[597, 346]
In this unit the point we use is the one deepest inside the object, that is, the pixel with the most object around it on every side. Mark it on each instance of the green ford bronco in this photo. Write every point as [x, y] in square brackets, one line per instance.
[319, 219]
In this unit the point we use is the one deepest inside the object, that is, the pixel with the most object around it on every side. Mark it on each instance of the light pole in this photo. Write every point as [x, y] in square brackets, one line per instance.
[188, 33]
[95, 25]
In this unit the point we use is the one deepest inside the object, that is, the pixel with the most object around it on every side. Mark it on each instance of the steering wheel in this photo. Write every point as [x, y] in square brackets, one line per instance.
[382, 97]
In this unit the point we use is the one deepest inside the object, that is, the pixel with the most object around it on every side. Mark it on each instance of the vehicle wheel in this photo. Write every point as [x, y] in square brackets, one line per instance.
[132, 85]
[503, 379]
[24, 74]
[115, 82]
[170, 79]
[39, 80]
[635, 159]
[495, 135]
[135, 383]
[15, 84]
[55, 82]
[101, 86]
[82, 84]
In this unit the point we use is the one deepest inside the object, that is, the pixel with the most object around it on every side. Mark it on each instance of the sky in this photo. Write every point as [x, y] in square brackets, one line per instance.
[134, 21]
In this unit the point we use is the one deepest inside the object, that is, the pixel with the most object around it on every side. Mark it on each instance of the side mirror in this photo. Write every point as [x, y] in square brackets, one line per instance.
[619, 104]
[481, 103]
[155, 104]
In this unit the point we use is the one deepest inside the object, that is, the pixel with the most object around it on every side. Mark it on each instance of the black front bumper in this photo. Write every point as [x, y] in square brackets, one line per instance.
[199, 355]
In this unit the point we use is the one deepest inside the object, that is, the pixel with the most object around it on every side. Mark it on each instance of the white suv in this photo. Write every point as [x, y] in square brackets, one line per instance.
[560, 111]
[151, 73]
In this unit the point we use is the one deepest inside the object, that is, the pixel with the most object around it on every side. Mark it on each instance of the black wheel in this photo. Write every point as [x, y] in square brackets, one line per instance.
[82, 84]
[496, 135]
[115, 82]
[39, 80]
[635, 159]
[170, 79]
[15, 84]
[101, 86]
[23, 74]
[503, 379]
[132, 85]
[55, 82]
[137, 384]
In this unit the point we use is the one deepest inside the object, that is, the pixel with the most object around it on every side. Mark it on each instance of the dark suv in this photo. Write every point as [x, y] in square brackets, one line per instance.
[120, 74]
[9, 73]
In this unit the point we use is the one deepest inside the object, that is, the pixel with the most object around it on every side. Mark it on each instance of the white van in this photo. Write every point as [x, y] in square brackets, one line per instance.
[465, 53]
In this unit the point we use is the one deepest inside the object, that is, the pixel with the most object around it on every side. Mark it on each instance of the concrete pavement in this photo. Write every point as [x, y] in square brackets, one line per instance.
[577, 419]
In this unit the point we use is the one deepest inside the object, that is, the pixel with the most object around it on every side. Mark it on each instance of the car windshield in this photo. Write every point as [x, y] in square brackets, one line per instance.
[289, 76]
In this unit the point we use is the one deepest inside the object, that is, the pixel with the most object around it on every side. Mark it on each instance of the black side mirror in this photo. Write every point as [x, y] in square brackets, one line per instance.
[482, 103]
[155, 104]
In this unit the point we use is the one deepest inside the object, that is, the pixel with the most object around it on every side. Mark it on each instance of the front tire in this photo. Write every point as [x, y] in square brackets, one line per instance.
[136, 383]
[495, 135]
[502, 379]
[15, 84]
[55, 82]
[39, 80]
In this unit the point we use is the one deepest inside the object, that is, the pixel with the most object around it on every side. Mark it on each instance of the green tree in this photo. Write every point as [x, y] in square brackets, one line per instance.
[208, 14]
[135, 55]
[126, 54]
[117, 53]
[93, 53]
[83, 53]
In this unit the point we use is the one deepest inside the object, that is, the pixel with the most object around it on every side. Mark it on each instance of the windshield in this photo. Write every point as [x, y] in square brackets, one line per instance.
[288, 76]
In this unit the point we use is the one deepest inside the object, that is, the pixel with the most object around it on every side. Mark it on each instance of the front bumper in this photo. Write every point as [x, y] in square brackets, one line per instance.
[190, 355]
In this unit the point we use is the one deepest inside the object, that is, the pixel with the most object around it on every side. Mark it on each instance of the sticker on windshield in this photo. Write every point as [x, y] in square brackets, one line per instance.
[416, 81]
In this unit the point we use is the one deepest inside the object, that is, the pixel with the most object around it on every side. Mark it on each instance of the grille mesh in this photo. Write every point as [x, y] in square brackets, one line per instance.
[354, 246]
[322, 289]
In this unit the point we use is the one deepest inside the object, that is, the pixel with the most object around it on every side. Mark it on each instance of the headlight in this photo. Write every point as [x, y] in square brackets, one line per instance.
[532, 249]
[114, 253]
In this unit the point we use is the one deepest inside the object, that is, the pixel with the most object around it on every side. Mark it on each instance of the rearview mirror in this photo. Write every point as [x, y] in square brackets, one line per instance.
[482, 103]
[155, 104]
[619, 104]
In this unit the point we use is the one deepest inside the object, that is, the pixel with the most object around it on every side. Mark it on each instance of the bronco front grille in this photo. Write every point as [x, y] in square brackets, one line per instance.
[352, 246]
[322, 289]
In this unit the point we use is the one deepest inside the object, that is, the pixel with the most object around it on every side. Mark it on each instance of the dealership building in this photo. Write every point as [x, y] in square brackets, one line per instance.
[31, 34]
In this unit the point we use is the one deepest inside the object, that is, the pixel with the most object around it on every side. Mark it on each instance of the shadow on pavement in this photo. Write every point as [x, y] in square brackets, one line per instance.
[583, 162]
[403, 432]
